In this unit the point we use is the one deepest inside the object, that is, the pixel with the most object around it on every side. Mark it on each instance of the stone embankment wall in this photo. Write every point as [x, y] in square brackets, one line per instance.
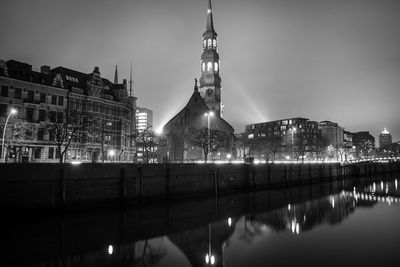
[53, 185]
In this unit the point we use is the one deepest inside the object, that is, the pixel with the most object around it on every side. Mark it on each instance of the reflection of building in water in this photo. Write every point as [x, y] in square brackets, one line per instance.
[204, 246]
[298, 218]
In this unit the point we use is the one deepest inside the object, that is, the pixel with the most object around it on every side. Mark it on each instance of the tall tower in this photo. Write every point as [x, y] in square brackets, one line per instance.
[210, 81]
[116, 75]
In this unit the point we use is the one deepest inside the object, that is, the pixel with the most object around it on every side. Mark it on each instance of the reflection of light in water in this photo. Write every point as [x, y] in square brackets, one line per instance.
[333, 202]
[373, 188]
[387, 188]
[395, 184]
[288, 207]
[110, 249]
[381, 185]
[210, 259]
[295, 227]
[229, 222]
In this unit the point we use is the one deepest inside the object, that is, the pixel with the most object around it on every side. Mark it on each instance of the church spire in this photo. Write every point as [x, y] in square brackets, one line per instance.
[210, 81]
[210, 25]
[116, 75]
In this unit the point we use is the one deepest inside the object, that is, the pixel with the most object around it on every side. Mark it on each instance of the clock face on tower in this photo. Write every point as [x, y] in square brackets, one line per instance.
[209, 91]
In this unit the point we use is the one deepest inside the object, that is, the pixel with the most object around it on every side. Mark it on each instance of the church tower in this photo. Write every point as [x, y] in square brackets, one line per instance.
[210, 81]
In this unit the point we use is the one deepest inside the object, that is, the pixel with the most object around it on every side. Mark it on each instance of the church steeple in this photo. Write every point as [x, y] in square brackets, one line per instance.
[210, 25]
[210, 81]
[116, 75]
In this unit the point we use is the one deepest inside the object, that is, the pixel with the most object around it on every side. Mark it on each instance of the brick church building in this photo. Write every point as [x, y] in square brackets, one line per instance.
[206, 99]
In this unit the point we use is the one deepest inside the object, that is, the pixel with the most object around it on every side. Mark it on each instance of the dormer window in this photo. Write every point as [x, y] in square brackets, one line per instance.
[203, 66]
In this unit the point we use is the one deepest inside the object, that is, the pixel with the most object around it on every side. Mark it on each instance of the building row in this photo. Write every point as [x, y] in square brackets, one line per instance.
[303, 139]
[49, 99]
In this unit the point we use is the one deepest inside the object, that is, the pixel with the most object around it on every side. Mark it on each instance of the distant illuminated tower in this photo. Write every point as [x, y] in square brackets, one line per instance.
[210, 81]
[385, 138]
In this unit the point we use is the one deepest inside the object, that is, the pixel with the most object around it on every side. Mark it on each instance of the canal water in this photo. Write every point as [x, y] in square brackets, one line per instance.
[342, 223]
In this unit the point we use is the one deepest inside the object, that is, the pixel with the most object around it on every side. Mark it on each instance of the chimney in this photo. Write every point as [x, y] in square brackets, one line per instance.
[3, 68]
[45, 69]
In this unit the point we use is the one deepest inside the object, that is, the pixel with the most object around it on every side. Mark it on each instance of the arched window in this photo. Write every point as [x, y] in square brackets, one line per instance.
[209, 66]
[216, 66]
[209, 42]
[214, 43]
[204, 43]
[203, 66]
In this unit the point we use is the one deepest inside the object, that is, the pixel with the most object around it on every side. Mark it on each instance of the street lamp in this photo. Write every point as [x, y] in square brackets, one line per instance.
[292, 130]
[12, 112]
[209, 115]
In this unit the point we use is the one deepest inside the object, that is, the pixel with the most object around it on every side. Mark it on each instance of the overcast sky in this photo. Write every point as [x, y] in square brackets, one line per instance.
[335, 60]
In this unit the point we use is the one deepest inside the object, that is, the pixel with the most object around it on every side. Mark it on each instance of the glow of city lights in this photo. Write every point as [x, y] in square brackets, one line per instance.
[159, 131]
[229, 221]
[110, 249]
[76, 162]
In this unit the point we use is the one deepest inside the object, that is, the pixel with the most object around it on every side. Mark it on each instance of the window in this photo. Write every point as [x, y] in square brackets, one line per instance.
[54, 99]
[42, 114]
[51, 153]
[3, 110]
[31, 96]
[60, 100]
[203, 67]
[4, 91]
[209, 43]
[52, 135]
[38, 153]
[40, 134]
[60, 116]
[204, 43]
[216, 66]
[209, 66]
[30, 114]
[52, 116]
[214, 43]
[42, 97]
[17, 93]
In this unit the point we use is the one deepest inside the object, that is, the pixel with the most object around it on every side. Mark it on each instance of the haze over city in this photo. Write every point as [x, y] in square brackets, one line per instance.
[323, 60]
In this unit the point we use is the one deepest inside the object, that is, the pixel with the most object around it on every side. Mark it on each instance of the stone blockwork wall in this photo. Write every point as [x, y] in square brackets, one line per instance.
[53, 185]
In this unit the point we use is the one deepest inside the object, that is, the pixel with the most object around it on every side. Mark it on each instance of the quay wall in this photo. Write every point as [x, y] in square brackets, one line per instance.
[53, 185]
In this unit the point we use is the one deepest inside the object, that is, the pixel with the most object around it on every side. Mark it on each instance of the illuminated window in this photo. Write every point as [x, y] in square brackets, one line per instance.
[204, 43]
[214, 43]
[216, 66]
[203, 66]
[209, 66]
[209, 42]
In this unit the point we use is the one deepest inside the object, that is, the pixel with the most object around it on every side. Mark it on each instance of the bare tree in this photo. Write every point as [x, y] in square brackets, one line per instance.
[147, 140]
[209, 143]
[65, 131]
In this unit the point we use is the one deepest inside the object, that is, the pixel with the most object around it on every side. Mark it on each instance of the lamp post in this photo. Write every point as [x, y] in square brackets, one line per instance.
[293, 130]
[12, 112]
[209, 115]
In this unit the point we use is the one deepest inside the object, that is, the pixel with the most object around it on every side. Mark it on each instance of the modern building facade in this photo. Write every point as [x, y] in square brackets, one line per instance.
[364, 144]
[298, 137]
[385, 138]
[144, 119]
[333, 134]
[52, 96]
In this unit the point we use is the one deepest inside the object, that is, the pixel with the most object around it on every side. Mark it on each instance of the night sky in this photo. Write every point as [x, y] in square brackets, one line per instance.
[335, 60]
